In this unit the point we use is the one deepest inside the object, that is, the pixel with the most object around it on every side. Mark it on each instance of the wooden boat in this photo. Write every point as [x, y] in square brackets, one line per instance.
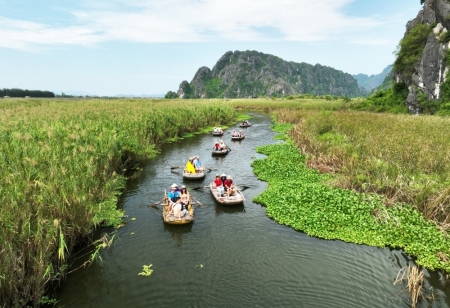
[194, 176]
[237, 198]
[217, 133]
[237, 137]
[245, 125]
[221, 152]
[171, 219]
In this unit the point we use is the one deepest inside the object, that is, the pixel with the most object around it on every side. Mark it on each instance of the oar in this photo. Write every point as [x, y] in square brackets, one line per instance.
[200, 187]
[174, 167]
[156, 203]
[196, 200]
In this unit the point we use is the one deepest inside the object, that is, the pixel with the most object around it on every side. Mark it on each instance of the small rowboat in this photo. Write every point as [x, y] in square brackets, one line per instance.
[217, 133]
[171, 219]
[237, 137]
[245, 125]
[221, 152]
[194, 176]
[237, 198]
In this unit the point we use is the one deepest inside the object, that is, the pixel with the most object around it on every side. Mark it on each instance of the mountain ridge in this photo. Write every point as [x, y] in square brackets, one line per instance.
[252, 74]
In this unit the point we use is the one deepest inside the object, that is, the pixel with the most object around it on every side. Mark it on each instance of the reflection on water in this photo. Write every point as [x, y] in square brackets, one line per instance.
[177, 231]
[247, 259]
[229, 209]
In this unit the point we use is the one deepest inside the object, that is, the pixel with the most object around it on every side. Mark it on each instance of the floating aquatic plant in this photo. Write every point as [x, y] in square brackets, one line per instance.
[146, 270]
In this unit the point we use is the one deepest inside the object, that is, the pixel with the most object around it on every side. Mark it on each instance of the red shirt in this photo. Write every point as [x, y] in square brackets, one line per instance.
[218, 182]
[228, 183]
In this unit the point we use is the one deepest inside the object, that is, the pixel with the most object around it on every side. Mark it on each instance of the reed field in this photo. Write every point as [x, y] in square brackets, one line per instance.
[389, 174]
[62, 170]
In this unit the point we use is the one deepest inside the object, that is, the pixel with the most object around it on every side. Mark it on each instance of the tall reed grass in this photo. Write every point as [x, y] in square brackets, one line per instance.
[62, 165]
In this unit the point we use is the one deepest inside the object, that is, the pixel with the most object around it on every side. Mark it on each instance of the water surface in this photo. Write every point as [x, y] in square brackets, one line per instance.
[230, 256]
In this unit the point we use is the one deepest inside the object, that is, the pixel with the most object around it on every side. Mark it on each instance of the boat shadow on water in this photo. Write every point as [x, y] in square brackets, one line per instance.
[229, 209]
[177, 231]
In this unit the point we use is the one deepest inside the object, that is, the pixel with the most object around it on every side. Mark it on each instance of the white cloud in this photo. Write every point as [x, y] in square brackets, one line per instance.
[156, 21]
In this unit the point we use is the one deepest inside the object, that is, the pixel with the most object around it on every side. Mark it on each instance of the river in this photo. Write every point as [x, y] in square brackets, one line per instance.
[231, 256]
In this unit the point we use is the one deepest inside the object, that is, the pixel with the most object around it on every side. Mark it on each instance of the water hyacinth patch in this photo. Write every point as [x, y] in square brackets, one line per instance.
[299, 197]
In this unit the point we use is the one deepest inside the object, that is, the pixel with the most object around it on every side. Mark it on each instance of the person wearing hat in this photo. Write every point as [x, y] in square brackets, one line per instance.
[198, 164]
[173, 194]
[223, 177]
[221, 145]
[190, 166]
[185, 198]
[219, 185]
[229, 187]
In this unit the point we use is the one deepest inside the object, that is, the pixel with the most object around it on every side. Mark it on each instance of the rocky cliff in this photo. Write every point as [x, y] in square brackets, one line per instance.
[427, 74]
[252, 74]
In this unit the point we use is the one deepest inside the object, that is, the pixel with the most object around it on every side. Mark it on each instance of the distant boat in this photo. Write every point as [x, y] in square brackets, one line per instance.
[236, 198]
[245, 124]
[224, 151]
[217, 133]
[237, 137]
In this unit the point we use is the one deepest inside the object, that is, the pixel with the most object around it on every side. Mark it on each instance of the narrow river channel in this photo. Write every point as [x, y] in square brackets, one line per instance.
[231, 256]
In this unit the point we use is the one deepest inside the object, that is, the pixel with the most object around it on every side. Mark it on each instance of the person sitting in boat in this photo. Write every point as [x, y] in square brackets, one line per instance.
[233, 133]
[219, 130]
[240, 134]
[173, 194]
[198, 164]
[229, 186]
[184, 199]
[190, 166]
[175, 208]
[223, 178]
[219, 185]
[222, 145]
[216, 146]
[215, 130]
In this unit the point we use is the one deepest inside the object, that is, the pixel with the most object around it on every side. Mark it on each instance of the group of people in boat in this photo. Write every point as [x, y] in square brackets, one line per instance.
[178, 200]
[219, 146]
[218, 130]
[245, 123]
[237, 134]
[194, 165]
[224, 185]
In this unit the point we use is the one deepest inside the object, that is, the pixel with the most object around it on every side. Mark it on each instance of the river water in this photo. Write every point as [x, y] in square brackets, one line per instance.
[231, 256]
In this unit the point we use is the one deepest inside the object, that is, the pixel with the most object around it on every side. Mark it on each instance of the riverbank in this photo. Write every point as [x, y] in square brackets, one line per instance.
[64, 164]
[378, 179]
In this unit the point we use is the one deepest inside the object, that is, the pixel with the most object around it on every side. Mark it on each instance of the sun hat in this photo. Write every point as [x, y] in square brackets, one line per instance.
[223, 174]
[229, 177]
[174, 185]
[217, 175]
[182, 186]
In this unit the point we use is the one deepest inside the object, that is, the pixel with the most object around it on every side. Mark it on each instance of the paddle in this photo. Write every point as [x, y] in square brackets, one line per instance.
[200, 187]
[156, 203]
[196, 200]
[174, 167]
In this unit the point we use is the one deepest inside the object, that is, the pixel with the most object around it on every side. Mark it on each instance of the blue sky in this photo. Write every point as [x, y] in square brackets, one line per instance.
[110, 47]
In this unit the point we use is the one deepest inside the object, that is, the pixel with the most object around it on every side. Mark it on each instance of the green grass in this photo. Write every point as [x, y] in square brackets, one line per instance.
[64, 162]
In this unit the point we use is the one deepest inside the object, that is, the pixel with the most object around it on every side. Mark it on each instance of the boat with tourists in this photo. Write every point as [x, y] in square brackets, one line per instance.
[236, 198]
[217, 131]
[198, 175]
[237, 135]
[223, 151]
[220, 148]
[170, 217]
[194, 169]
[245, 123]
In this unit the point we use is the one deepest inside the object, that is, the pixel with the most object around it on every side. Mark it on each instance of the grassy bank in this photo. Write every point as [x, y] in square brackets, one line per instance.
[63, 164]
[399, 163]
